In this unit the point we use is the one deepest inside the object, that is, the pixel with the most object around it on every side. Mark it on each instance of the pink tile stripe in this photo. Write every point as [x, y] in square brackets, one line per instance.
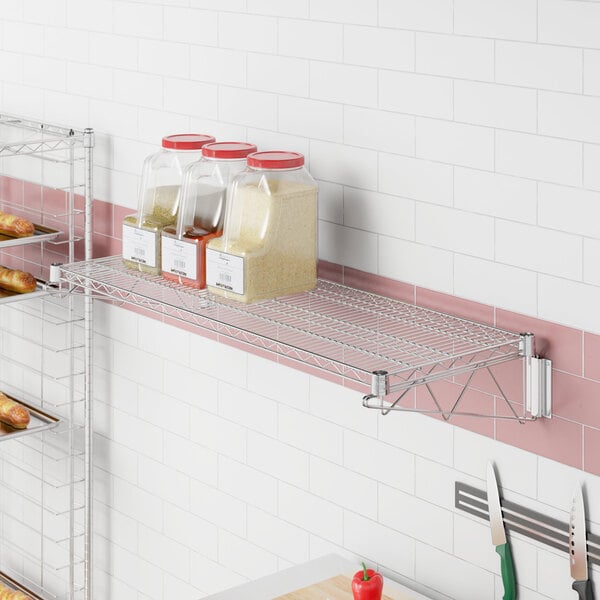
[576, 398]
[509, 376]
[379, 285]
[591, 357]
[563, 345]
[591, 450]
[572, 436]
[458, 307]
[330, 271]
[554, 438]
[473, 400]
[103, 218]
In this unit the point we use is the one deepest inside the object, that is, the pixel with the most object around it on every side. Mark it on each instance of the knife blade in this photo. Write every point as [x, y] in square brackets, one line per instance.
[499, 536]
[578, 547]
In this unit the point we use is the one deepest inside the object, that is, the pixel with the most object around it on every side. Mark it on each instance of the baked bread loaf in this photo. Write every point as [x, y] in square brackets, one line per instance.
[16, 281]
[15, 226]
[14, 414]
[8, 594]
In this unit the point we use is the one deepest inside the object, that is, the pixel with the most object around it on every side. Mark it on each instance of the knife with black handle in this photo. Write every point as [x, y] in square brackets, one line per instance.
[584, 589]
[578, 547]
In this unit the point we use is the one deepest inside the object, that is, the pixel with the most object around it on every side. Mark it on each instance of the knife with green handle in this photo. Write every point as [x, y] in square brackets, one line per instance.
[578, 547]
[499, 536]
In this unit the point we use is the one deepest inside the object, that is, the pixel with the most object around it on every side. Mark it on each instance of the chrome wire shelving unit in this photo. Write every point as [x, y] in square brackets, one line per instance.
[45, 360]
[383, 345]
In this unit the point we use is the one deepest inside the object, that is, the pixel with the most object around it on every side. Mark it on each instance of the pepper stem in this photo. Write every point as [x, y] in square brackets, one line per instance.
[365, 576]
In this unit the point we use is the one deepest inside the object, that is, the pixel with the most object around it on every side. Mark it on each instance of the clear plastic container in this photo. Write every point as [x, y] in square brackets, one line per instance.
[159, 199]
[269, 242]
[201, 211]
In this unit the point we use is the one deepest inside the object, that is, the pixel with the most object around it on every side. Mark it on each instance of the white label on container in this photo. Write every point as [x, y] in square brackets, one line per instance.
[225, 271]
[139, 245]
[179, 257]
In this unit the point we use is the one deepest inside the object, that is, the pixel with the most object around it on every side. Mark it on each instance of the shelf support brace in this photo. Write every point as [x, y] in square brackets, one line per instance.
[537, 383]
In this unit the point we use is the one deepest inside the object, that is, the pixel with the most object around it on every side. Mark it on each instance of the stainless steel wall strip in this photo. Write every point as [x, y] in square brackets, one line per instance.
[522, 520]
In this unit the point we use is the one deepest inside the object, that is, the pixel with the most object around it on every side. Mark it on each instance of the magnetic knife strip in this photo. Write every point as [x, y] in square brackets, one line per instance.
[519, 519]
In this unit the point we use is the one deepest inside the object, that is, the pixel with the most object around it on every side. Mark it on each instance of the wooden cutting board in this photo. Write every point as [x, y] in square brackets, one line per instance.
[336, 588]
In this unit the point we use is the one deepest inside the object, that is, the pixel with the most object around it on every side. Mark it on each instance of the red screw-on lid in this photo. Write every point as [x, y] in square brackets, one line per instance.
[186, 141]
[228, 150]
[275, 159]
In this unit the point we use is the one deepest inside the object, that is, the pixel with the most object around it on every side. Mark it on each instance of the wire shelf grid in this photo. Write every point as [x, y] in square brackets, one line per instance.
[22, 136]
[46, 489]
[335, 328]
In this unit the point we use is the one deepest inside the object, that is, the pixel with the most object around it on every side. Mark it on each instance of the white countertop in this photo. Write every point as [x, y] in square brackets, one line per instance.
[300, 576]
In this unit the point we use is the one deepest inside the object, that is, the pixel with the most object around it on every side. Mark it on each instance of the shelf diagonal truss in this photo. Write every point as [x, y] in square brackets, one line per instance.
[360, 336]
[379, 403]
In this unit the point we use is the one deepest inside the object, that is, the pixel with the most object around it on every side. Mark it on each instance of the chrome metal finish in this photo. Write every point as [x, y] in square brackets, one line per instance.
[520, 519]
[537, 379]
[47, 554]
[6, 297]
[24, 136]
[334, 328]
[89, 365]
[54, 273]
[538, 386]
[40, 420]
[374, 402]
[15, 585]
[40, 234]
[577, 537]
[494, 510]
[527, 344]
[379, 384]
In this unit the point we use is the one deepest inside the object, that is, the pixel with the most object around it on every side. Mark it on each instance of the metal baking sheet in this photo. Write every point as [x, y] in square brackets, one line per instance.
[13, 585]
[40, 421]
[40, 234]
[9, 296]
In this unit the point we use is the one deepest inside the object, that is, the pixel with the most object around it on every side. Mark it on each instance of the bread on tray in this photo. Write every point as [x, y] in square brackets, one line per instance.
[17, 281]
[14, 414]
[15, 226]
[7, 594]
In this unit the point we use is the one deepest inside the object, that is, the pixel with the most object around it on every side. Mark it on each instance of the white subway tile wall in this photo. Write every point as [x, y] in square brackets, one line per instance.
[411, 91]
[457, 147]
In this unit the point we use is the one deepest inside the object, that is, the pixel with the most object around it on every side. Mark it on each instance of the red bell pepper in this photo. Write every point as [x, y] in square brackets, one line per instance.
[367, 584]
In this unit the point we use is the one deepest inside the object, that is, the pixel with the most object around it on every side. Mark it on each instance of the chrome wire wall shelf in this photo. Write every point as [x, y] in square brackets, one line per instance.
[23, 136]
[385, 345]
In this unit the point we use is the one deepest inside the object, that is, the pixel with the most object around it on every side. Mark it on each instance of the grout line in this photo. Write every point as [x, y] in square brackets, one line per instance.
[583, 71]
[583, 447]
[415, 52]
[583, 354]
[494, 62]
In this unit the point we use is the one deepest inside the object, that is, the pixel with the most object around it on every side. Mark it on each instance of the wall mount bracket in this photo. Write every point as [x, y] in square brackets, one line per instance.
[537, 387]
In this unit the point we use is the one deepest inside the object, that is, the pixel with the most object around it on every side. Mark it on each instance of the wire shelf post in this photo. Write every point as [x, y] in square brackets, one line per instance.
[88, 404]
[47, 508]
